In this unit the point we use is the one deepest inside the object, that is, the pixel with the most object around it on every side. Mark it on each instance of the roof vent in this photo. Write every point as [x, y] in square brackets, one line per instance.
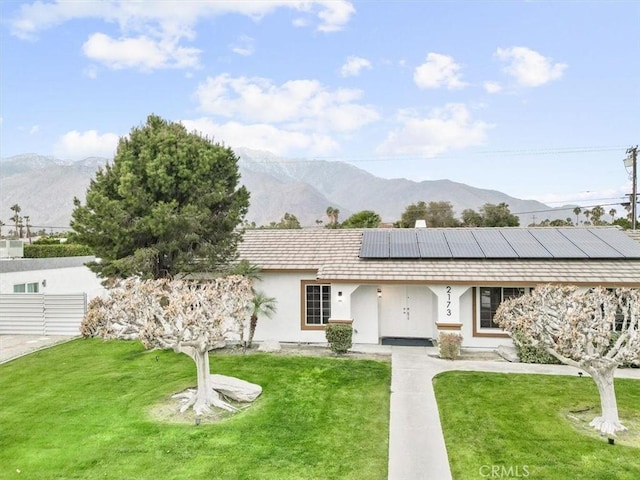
[421, 224]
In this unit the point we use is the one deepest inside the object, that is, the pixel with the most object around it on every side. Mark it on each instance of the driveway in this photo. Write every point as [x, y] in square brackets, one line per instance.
[14, 346]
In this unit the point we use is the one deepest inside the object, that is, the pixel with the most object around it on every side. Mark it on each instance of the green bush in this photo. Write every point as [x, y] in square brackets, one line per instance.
[47, 241]
[339, 336]
[530, 353]
[59, 250]
[449, 345]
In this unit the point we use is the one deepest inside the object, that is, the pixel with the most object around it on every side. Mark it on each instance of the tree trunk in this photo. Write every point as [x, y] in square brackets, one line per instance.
[252, 329]
[608, 422]
[204, 396]
[204, 391]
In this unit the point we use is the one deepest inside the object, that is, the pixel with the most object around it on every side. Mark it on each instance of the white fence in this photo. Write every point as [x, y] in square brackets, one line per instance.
[41, 314]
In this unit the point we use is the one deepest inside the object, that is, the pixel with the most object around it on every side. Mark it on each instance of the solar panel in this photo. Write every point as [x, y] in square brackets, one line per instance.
[463, 244]
[493, 244]
[499, 243]
[557, 244]
[404, 244]
[618, 240]
[375, 244]
[589, 243]
[432, 244]
[524, 244]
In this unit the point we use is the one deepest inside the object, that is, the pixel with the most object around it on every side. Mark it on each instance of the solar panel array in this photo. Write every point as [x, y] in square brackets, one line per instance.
[499, 243]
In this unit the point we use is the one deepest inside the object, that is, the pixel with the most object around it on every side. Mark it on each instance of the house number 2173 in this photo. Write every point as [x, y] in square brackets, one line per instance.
[448, 290]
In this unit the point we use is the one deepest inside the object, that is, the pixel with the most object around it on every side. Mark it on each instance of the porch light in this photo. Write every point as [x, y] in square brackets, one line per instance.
[379, 293]
[340, 297]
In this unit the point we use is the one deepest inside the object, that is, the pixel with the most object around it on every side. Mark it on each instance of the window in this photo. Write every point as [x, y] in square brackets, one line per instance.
[317, 304]
[490, 300]
[26, 287]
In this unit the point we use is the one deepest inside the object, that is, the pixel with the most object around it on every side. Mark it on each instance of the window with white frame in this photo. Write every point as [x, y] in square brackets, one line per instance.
[26, 287]
[490, 300]
[317, 304]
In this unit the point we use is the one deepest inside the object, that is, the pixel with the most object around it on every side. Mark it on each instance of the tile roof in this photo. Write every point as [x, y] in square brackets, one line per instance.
[334, 255]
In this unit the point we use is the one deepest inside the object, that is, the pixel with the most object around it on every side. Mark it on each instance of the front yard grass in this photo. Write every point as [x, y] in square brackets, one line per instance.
[81, 411]
[521, 426]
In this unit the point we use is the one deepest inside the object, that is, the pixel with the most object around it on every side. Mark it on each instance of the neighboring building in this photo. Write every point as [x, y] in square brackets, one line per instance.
[45, 296]
[414, 283]
[62, 275]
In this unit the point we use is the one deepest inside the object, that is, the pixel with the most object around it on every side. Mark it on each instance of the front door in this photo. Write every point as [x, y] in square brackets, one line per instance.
[405, 311]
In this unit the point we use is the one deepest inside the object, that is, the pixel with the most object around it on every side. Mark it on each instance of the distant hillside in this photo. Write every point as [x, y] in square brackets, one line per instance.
[44, 188]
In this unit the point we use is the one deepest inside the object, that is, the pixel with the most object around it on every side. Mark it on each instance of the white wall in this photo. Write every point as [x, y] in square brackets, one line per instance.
[466, 316]
[364, 308]
[284, 325]
[77, 279]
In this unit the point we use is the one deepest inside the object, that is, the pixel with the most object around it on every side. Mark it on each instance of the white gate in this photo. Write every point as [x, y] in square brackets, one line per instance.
[42, 314]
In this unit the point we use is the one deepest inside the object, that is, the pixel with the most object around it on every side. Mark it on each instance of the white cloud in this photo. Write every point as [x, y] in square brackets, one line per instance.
[141, 52]
[76, 145]
[35, 129]
[492, 87]
[243, 46]
[335, 14]
[444, 129]
[172, 15]
[152, 31]
[261, 136]
[354, 65]
[438, 71]
[298, 116]
[528, 67]
[300, 104]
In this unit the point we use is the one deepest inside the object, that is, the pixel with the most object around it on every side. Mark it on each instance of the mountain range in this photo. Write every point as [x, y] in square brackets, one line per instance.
[45, 186]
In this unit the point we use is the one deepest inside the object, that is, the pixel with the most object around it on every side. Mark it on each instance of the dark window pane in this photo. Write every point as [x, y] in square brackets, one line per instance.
[318, 304]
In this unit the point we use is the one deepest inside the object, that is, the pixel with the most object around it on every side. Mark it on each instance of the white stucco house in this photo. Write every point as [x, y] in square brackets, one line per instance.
[62, 275]
[45, 296]
[407, 285]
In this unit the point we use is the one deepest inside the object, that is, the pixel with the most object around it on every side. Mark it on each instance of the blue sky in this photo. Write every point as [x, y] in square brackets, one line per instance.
[535, 99]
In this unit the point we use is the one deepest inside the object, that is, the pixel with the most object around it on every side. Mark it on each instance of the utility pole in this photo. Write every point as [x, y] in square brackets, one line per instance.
[632, 161]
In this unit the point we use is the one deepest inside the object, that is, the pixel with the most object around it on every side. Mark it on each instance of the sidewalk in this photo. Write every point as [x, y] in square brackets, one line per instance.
[416, 443]
[14, 346]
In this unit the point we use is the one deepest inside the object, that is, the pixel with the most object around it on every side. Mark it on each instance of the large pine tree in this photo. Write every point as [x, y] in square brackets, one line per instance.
[168, 204]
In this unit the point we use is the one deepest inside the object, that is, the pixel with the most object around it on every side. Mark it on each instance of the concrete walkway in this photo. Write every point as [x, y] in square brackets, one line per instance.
[14, 346]
[416, 444]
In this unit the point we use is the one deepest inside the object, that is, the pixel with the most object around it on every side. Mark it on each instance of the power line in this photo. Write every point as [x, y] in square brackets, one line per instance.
[407, 157]
[559, 209]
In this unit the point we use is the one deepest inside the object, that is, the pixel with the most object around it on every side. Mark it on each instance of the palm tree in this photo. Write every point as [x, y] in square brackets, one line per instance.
[329, 215]
[596, 215]
[16, 218]
[2, 224]
[26, 220]
[576, 212]
[260, 305]
[587, 214]
[248, 270]
[332, 216]
[613, 213]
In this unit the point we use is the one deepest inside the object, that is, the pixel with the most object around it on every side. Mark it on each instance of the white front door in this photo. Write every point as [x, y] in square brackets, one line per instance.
[406, 311]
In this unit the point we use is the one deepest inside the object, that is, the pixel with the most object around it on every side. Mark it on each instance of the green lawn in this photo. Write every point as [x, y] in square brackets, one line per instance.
[518, 424]
[80, 411]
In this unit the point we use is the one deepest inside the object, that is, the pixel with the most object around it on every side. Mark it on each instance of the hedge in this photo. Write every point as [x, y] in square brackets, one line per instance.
[59, 250]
